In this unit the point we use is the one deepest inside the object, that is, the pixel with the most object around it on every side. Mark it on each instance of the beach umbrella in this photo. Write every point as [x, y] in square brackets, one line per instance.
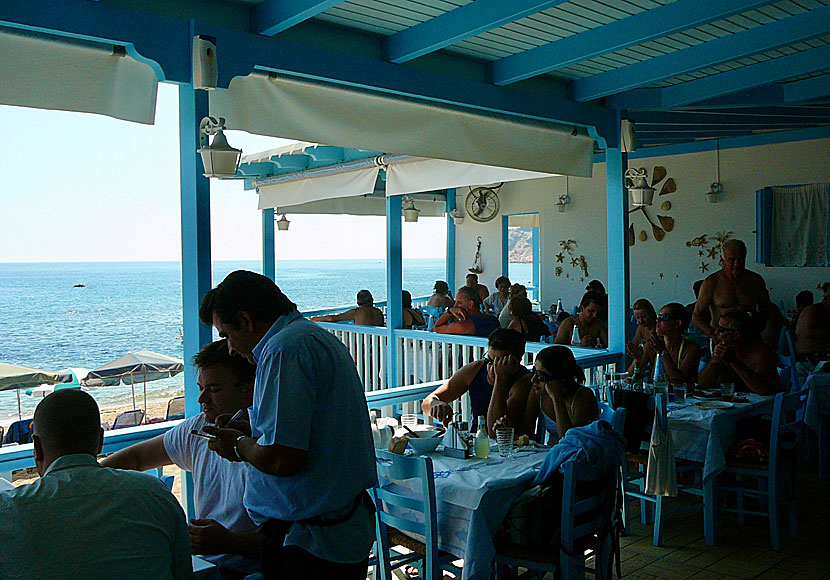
[19, 377]
[78, 375]
[143, 365]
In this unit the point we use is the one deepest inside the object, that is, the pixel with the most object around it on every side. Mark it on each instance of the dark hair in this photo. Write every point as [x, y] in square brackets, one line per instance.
[804, 298]
[696, 287]
[595, 286]
[520, 307]
[365, 297]
[441, 287]
[679, 312]
[407, 298]
[68, 421]
[471, 275]
[517, 289]
[643, 304]
[508, 340]
[563, 316]
[216, 354]
[591, 296]
[560, 363]
[244, 291]
[471, 293]
[502, 280]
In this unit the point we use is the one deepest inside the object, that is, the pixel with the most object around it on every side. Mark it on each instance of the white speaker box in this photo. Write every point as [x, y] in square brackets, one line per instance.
[205, 67]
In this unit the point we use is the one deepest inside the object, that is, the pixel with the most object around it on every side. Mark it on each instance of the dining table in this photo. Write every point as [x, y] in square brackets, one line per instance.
[817, 416]
[473, 496]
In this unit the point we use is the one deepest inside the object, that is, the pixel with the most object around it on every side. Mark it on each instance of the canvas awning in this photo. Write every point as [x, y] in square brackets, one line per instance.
[323, 113]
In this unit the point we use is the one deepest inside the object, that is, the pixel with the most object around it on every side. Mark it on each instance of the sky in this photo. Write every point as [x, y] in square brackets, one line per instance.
[79, 187]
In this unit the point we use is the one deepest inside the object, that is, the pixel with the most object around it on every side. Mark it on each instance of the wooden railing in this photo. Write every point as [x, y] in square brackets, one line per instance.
[416, 303]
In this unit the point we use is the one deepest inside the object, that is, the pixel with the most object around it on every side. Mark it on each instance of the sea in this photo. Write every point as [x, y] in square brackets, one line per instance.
[59, 315]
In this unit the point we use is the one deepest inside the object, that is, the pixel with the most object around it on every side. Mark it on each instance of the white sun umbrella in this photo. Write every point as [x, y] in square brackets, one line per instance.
[19, 377]
[143, 365]
[78, 375]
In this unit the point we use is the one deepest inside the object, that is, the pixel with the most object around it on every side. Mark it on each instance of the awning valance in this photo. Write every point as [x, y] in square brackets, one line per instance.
[322, 113]
[56, 75]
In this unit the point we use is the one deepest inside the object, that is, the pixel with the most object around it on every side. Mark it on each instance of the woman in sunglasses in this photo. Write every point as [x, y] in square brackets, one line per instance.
[558, 392]
[681, 355]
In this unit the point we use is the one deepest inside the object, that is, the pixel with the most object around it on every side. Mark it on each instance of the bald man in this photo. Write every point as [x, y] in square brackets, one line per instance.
[82, 520]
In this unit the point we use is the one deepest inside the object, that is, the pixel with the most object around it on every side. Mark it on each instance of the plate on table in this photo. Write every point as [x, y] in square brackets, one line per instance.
[714, 404]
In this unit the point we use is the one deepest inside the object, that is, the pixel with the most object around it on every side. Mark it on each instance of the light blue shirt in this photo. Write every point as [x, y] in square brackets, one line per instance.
[309, 396]
[81, 520]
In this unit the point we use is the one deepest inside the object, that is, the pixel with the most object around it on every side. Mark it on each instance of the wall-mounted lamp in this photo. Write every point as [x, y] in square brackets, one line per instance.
[716, 187]
[636, 181]
[410, 212]
[218, 158]
[565, 199]
[457, 216]
[282, 223]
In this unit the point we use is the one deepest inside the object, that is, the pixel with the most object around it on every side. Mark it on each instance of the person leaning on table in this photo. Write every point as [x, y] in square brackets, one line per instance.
[221, 530]
[309, 441]
[82, 520]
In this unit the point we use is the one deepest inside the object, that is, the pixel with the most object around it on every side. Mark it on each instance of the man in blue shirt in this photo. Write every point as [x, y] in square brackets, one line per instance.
[308, 444]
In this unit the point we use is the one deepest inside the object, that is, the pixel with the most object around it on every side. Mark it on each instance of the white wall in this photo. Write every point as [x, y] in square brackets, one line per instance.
[743, 171]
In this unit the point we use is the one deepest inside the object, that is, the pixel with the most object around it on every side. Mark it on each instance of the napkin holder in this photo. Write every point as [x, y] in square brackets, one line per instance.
[457, 442]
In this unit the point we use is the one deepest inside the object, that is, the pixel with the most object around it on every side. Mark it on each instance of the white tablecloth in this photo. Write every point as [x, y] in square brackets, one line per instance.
[473, 497]
[704, 435]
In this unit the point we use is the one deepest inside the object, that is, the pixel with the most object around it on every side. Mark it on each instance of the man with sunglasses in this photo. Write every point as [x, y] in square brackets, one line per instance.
[741, 357]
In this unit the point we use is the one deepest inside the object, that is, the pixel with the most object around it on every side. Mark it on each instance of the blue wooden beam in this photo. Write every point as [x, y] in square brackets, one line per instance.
[273, 16]
[647, 120]
[162, 43]
[706, 54]
[637, 29]
[807, 89]
[269, 253]
[394, 286]
[617, 242]
[458, 24]
[242, 53]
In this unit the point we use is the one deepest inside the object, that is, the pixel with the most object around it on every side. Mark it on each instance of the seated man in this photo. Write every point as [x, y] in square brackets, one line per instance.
[466, 317]
[592, 332]
[441, 297]
[498, 384]
[365, 313]
[741, 357]
[411, 316]
[221, 530]
[471, 281]
[812, 331]
[82, 520]
[496, 302]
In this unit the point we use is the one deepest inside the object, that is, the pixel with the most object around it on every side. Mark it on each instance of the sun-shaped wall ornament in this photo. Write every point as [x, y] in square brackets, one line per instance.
[666, 223]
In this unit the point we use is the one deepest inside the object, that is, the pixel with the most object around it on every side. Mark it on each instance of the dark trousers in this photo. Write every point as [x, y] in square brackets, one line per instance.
[281, 562]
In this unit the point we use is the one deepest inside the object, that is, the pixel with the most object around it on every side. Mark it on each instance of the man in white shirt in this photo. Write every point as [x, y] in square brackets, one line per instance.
[496, 302]
[222, 532]
[82, 520]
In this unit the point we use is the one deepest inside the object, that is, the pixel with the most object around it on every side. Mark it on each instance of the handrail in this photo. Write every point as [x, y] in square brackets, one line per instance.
[338, 309]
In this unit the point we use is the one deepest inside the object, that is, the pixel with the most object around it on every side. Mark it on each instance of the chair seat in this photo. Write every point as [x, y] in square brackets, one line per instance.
[639, 458]
[398, 538]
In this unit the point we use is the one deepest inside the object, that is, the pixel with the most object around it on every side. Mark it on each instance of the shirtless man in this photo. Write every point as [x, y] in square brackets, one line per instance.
[741, 357]
[733, 287]
[441, 297]
[365, 313]
[472, 282]
[589, 321]
[812, 331]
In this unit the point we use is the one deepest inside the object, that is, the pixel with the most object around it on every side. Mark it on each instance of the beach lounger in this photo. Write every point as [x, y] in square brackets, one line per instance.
[131, 418]
[175, 409]
[19, 432]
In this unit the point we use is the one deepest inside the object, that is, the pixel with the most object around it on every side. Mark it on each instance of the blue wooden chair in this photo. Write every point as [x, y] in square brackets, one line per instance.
[586, 529]
[776, 477]
[413, 512]
[431, 314]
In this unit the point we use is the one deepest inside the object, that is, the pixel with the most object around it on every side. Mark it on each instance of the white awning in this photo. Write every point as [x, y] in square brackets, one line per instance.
[340, 184]
[47, 74]
[370, 205]
[322, 113]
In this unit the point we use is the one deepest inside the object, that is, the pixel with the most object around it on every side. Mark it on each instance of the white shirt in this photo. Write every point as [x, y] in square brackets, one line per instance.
[81, 520]
[218, 486]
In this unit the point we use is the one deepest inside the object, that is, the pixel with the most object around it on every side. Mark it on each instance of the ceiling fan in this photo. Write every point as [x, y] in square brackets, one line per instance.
[482, 204]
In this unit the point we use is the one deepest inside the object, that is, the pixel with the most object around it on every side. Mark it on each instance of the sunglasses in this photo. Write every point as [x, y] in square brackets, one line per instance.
[541, 376]
[664, 316]
[722, 330]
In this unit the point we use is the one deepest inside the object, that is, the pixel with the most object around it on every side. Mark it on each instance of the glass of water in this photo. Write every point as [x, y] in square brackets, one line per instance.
[679, 393]
[504, 437]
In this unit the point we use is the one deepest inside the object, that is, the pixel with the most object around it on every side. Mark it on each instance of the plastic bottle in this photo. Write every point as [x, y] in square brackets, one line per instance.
[660, 383]
[576, 340]
[558, 306]
[482, 441]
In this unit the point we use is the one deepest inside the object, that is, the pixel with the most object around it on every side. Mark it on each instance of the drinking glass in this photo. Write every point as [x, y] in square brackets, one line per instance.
[679, 393]
[727, 391]
[504, 437]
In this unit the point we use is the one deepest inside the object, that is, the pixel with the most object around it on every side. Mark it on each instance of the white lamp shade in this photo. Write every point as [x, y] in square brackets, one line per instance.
[219, 158]
[282, 224]
[641, 196]
[411, 214]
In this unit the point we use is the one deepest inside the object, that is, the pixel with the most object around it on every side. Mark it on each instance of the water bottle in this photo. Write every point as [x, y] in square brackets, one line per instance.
[482, 441]
[558, 306]
[575, 338]
[661, 385]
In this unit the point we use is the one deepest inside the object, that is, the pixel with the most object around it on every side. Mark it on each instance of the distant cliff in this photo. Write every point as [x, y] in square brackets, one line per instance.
[519, 245]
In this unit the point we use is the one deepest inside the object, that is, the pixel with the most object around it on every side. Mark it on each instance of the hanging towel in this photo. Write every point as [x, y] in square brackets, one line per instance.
[661, 475]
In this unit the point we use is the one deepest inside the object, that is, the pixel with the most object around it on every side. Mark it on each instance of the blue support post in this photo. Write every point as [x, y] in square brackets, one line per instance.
[618, 271]
[450, 261]
[394, 285]
[269, 258]
[505, 259]
[196, 262]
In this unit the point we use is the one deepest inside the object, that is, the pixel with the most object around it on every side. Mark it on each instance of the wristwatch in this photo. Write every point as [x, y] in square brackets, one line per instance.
[236, 447]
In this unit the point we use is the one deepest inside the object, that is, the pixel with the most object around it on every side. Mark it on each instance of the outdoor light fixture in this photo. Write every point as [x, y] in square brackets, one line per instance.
[636, 181]
[564, 200]
[410, 212]
[457, 216]
[218, 158]
[715, 187]
[282, 223]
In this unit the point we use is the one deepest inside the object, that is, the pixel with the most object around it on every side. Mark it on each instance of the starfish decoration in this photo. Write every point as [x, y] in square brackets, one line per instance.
[660, 275]
[560, 257]
[713, 252]
[567, 275]
[703, 267]
[574, 262]
[700, 253]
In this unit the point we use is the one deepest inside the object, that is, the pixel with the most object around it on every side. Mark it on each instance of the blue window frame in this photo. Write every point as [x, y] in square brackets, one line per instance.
[520, 251]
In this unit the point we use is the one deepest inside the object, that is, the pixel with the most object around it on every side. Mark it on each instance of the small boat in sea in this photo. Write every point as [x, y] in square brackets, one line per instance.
[79, 286]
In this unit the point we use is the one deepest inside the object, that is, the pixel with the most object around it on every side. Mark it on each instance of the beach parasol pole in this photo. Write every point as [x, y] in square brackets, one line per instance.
[19, 410]
[145, 399]
[132, 386]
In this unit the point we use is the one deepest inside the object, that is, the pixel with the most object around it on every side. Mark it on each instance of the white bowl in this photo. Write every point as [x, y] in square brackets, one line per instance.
[421, 446]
